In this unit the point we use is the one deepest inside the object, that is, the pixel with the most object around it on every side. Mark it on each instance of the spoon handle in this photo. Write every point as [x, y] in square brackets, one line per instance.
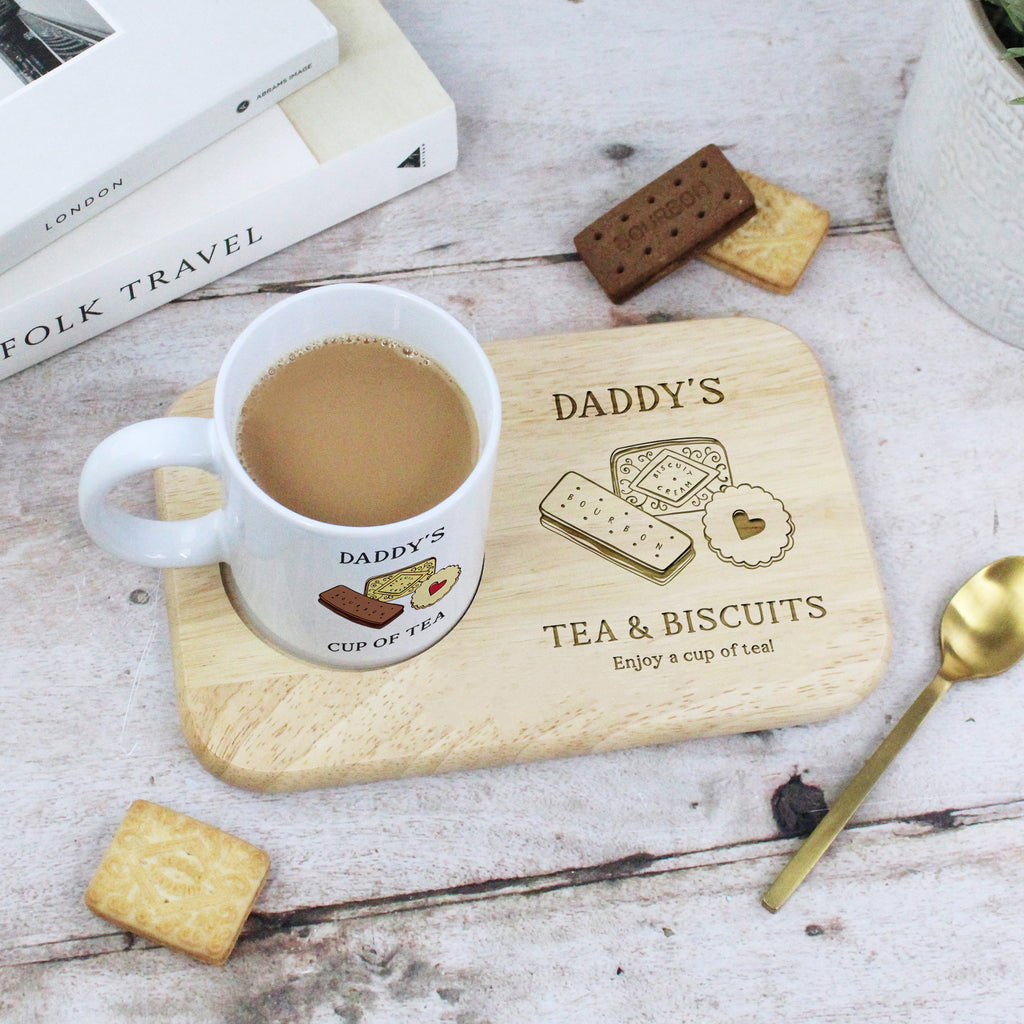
[850, 799]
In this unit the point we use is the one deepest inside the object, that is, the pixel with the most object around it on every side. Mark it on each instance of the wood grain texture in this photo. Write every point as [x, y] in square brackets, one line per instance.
[628, 942]
[517, 892]
[594, 657]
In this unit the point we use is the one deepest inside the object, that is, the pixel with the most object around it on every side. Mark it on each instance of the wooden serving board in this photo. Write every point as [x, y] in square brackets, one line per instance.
[761, 608]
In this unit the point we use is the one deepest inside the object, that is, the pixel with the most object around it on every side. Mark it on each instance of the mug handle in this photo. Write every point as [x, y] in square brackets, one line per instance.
[169, 441]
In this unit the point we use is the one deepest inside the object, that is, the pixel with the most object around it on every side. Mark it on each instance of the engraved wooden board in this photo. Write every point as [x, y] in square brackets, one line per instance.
[718, 438]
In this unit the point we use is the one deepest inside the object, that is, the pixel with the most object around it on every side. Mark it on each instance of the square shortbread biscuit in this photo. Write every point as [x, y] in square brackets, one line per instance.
[178, 881]
[773, 248]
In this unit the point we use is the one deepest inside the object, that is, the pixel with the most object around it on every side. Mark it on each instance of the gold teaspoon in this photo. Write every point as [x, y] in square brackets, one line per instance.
[981, 634]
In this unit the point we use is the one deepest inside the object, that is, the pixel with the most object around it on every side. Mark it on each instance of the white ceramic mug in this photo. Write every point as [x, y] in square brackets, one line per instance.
[280, 562]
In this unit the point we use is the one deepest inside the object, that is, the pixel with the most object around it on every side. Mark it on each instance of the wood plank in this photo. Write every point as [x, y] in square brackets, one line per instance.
[639, 940]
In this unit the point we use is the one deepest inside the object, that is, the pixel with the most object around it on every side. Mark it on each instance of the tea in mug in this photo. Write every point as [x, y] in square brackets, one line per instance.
[357, 431]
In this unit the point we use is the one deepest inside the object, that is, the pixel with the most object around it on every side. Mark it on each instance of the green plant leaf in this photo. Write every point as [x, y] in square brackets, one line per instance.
[1013, 52]
[1014, 11]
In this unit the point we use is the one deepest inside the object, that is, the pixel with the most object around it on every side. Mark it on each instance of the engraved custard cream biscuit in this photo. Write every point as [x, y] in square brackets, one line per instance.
[660, 227]
[773, 248]
[748, 526]
[670, 476]
[432, 589]
[595, 518]
[178, 882]
[358, 608]
[393, 586]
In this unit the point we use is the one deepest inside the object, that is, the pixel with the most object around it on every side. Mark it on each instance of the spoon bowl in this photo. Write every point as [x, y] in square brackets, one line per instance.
[981, 634]
[982, 628]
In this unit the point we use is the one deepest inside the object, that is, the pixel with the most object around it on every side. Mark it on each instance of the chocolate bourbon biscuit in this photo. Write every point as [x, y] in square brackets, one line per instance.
[667, 222]
[358, 608]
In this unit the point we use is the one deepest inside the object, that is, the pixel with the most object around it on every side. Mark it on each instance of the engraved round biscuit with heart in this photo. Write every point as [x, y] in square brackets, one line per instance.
[433, 588]
[748, 526]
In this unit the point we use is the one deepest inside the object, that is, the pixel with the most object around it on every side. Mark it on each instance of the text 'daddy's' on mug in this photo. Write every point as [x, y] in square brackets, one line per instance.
[355, 432]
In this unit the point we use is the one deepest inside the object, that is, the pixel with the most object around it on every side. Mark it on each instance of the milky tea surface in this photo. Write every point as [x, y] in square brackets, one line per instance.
[358, 431]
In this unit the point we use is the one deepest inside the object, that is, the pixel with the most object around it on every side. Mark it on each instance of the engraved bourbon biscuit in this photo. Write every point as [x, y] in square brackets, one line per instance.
[586, 513]
[178, 881]
[358, 608]
[664, 224]
[773, 248]
[393, 586]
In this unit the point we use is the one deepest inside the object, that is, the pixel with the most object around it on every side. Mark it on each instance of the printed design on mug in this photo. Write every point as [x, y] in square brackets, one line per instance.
[663, 492]
[379, 605]
[436, 586]
[393, 586]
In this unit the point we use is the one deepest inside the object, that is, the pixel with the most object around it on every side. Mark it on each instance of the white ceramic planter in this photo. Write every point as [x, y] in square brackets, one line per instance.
[956, 174]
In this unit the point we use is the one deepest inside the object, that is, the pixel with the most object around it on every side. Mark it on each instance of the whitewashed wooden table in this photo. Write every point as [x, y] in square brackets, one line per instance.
[616, 887]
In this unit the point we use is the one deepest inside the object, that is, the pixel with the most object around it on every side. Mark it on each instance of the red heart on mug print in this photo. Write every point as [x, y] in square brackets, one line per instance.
[435, 587]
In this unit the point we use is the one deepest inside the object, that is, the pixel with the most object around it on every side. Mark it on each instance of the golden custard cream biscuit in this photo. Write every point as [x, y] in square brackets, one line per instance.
[178, 882]
[773, 248]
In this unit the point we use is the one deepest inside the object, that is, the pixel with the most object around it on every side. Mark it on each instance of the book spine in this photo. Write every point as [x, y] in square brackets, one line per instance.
[170, 267]
[120, 179]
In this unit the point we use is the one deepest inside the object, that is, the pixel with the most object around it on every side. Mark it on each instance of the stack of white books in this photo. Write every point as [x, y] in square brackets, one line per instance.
[97, 101]
[375, 124]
